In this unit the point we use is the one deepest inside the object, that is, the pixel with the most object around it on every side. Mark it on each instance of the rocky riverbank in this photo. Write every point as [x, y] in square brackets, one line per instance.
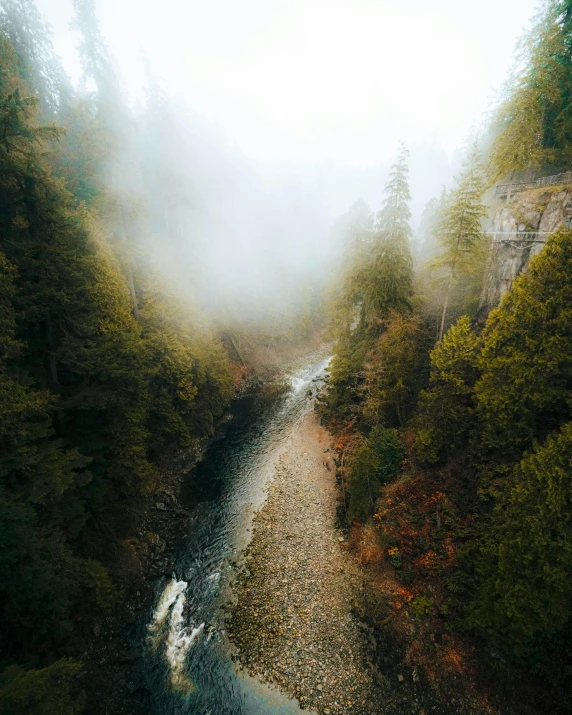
[112, 676]
[295, 621]
[308, 618]
[112, 649]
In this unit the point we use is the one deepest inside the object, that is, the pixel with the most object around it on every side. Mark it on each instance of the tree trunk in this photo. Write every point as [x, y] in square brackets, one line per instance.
[445, 306]
[237, 351]
[448, 294]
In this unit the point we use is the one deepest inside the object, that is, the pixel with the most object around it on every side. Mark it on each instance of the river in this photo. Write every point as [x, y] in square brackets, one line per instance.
[188, 664]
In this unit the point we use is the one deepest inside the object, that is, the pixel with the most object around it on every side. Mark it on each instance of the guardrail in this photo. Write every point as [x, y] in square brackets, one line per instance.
[517, 237]
[508, 190]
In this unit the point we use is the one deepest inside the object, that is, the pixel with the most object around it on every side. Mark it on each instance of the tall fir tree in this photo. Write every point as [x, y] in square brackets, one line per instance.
[533, 124]
[387, 278]
[459, 230]
[524, 565]
[37, 64]
[526, 361]
[445, 417]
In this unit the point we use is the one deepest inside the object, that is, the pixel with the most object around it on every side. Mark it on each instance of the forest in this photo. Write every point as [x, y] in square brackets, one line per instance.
[452, 419]
[103, 365]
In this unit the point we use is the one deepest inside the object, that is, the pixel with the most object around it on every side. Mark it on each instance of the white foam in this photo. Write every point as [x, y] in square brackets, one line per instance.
[178, 643]
[170, 594]
[297, 383]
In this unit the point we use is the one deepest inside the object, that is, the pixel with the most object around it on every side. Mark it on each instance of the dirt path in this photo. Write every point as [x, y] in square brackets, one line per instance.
[294, 621]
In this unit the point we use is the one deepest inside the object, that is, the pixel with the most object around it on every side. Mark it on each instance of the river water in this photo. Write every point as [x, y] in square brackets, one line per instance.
[189, 668]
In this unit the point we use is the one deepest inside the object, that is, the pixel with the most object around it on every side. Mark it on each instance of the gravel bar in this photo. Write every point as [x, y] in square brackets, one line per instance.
[294, 621]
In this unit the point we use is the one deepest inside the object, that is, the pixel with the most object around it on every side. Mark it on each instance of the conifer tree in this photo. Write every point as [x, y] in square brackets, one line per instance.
[426, 235]
[386, 280]
[526, 361]
[459, 231]
[380, 282]
[524, 569]
[98, 67]
[395, 372]
[534, 122]
[88, 394]
[38, 486]
[372, 462]
[395, 215]
[43, 691]
[445, 416]
[354, 228]
[30, 38]
[353, 235]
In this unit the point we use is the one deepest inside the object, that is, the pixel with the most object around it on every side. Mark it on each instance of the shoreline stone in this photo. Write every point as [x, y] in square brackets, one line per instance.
[294, 621]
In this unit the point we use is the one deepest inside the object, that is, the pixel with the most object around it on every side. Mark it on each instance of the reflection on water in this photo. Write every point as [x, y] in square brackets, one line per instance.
[189, 669]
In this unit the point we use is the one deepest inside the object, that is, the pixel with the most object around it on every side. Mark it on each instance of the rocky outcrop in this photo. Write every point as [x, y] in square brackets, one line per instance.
[519, 230]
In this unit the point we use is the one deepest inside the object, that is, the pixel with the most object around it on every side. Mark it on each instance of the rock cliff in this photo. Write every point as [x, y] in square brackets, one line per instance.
[519, 229]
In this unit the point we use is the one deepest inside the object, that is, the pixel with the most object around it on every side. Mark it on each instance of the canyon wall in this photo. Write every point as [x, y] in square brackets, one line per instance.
[519, 229]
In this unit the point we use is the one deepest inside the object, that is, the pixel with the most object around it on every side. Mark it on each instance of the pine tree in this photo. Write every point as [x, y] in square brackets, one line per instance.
[379, 282]
[352, 236]
[459, 230]
[372, 462]
[38, 492]
[526, 361]
[189, 380]
[395, 371]
[98, 68]
[522, 602]
[393, 219]
[386, 280]
[445, 416]
[88, 393]
[37, 64]
[44, 691]
[426, 235]
[534, 121]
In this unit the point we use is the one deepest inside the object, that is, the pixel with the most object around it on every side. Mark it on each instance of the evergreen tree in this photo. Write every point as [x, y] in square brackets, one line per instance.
[35, 474]
[386, 280]
[524, 569]
[526, 361]
[189, 381]
[395, 372]
[445, 416]
[30, 38]
[353, 230]
[459, 230]
[426, 235]
[98, 71]
[44, 691]
[372, 462]
[352, 237]
[534, 121]
[379, 283]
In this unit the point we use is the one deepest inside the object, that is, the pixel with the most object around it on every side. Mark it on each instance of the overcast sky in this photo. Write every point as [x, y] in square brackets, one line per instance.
[334, 83]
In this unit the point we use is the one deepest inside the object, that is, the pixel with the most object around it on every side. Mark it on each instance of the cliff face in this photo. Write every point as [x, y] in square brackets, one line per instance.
[520, 228]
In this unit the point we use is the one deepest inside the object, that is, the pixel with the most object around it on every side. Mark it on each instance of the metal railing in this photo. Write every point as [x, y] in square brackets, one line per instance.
[518, 239]
[508, 190]
[520, 235]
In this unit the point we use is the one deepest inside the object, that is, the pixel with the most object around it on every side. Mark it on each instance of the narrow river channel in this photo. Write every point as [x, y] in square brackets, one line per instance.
[189, 668]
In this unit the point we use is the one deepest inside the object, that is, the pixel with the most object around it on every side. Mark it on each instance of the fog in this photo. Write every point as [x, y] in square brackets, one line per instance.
[281, 114]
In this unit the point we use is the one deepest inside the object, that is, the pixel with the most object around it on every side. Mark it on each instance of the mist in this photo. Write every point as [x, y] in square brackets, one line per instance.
[268, 121]
[285, 357]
